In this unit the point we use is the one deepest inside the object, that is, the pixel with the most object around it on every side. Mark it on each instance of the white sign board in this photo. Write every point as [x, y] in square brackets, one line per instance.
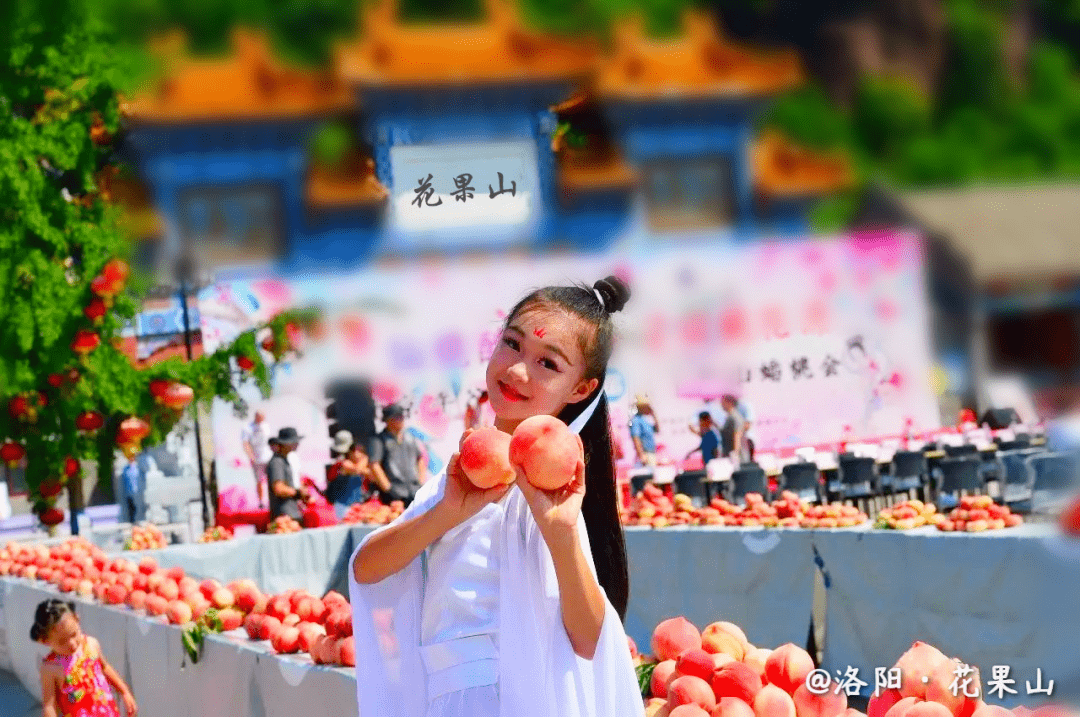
[464, 187]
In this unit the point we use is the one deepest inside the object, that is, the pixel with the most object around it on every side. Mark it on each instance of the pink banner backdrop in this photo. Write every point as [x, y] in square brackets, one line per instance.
[825, 338]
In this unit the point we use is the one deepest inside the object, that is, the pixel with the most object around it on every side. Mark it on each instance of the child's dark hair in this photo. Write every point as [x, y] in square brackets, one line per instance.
[48, 614]
[600, 507]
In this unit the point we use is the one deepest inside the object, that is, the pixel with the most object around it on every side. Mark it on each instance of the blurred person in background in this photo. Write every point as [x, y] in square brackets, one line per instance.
[397, 458]
[350, 479]
[286, 493]
[710, 438]
[134, 485]
[643, 429]
[258, 451]
[733, 432]
[747, 413]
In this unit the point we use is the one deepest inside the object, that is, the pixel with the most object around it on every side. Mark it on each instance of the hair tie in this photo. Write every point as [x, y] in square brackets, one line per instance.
[600, 298]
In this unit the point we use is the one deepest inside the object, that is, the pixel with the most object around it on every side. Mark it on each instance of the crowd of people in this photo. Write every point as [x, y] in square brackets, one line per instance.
[390, 467]
[725, 433]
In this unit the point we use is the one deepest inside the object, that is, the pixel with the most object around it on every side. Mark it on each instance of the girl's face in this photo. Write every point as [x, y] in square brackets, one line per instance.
[538, 367]
[65, 636]
[358, 457]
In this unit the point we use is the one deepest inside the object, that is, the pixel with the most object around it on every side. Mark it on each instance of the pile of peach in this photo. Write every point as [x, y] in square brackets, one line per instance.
[718, 673]
[283, 524]
[145, 537]
[297, 621]
[652, 508]
[293, 621]
[978, 513]
[373, 512]
[216, 534]
[907, 515]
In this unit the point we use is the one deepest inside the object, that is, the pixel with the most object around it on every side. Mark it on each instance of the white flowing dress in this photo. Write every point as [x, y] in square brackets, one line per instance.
[423, 646]
[459, 619]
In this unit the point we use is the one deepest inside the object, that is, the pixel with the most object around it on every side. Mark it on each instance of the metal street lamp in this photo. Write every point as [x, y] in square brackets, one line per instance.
[186, 275]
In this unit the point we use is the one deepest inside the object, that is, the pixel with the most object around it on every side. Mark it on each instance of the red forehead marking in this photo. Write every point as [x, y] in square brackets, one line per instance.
[539, 333]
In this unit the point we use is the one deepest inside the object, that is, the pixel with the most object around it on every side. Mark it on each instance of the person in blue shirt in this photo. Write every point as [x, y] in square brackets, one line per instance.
[133, 483]
[643, 429]
[710, 438]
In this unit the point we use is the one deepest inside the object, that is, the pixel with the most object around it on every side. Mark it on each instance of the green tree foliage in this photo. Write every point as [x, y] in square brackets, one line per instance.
[57, 236]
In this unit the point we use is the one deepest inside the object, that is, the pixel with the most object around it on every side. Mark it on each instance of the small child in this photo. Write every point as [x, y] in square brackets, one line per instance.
[75, 677]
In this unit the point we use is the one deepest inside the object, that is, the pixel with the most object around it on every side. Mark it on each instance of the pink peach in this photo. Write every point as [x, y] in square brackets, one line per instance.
[674, 636]
[547, 452]
[916, 666]
[696, 662]
[736, 680]
[829, 704]
[902, 707]
[691, 690]
[688, 710]
[881, 703]
[732, 707]
[787, 667]
[662, 674]
[485, 458]
[933, 709]
[772, 701]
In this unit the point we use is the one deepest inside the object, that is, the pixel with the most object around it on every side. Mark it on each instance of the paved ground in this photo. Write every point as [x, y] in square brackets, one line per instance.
[15, 701]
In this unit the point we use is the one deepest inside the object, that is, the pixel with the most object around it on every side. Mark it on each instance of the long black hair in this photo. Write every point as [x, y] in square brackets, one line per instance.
[48, 614]
[600, 507]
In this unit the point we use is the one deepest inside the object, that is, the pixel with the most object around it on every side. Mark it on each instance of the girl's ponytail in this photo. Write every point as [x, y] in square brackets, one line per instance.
[600, 507]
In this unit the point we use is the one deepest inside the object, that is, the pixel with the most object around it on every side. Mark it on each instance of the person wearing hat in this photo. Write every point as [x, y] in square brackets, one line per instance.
[643, 429]
[397, 459]
[286, 494]
[348, 480]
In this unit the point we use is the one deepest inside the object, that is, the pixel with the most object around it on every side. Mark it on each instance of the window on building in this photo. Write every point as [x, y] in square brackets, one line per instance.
[231, 226]
[689, 193]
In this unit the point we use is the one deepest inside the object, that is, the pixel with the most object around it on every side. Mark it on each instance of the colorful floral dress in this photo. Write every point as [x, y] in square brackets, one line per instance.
[85, 692]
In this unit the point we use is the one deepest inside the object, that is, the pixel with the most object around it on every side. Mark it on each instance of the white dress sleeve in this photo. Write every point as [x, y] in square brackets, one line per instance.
[539, 673]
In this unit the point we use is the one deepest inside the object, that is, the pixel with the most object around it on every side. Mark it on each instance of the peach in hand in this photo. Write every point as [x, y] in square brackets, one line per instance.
[546, 451]
[485, 458]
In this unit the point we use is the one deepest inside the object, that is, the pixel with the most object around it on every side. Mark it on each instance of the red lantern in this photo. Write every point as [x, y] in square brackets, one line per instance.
[52, 516]
[95, 310]
[51, 489]
[157, 388]
[88, 421]
[12, 453]
[177, 396]
[18, 407]
[132, 431]
[111, 279]
[84, 342]
[245, 363]
[71, 467]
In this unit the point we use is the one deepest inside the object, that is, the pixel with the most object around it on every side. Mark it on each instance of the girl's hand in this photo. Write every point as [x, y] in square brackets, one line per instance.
[556, 511]
[461, 498]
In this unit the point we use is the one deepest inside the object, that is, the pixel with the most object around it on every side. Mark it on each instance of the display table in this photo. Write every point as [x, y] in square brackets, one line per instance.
[234, 676]
[1009, 597]
[310, 559]
[760, 580]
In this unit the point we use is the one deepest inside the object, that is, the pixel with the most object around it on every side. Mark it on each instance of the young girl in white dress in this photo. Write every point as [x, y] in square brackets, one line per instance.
[508, 602]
